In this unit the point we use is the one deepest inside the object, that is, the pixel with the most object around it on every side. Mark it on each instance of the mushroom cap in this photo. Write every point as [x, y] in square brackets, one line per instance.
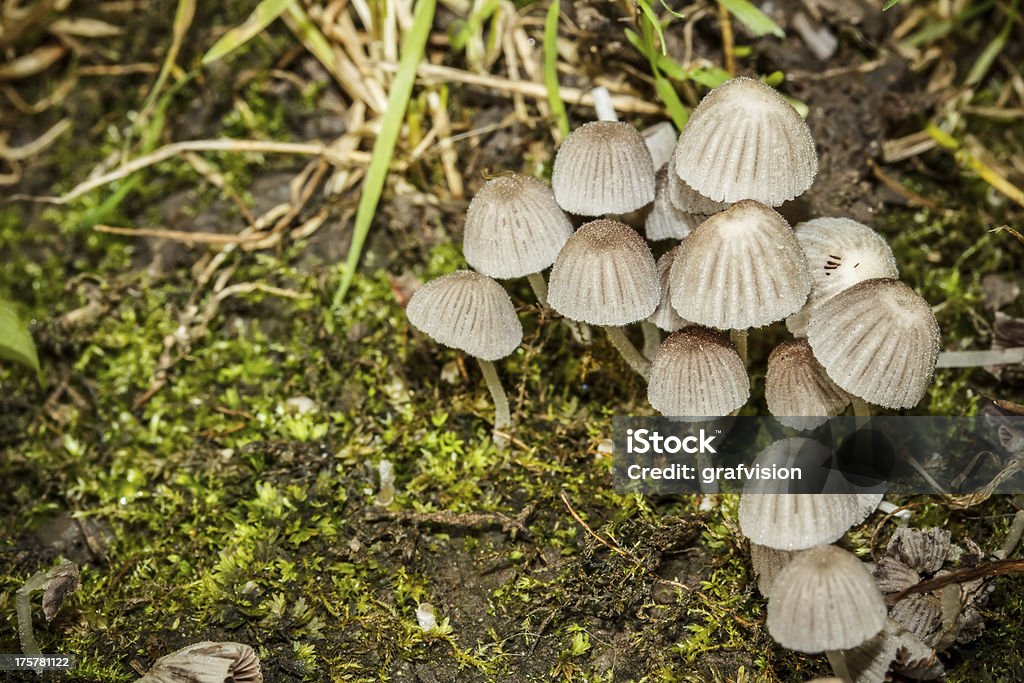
[745, 141]
[740, 268]
[840, 253]
[205, 662]
[825, 599]
[767, 563]
[687, 199]
[877, 340]
[603, 167]
[771, 514]
[664, 316]
[665, 221]
[514, 227]
[604, 275]
[696, 373]
[799, 392]
[468, 311]
[661, 142]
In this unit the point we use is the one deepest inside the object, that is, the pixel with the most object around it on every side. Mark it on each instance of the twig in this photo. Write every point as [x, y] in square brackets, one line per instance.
[467, 520]
[1007, 228]
[997, 568]
[184, 236]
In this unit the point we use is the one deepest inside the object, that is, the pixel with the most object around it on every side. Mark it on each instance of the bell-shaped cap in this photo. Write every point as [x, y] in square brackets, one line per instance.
[604, 275]
[840, 253]
[877, 340]
[825, 599]
[661, 142]
[740, 268]
[796, 515]
[603, 167]
[467, 311]
[687, 199]
[514, 227]
[798, 391]
[665, 221]
[664, 316]
[696, 373]
[744, 141]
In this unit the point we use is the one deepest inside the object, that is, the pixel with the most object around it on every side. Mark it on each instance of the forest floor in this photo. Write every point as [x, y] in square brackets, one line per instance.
[206, 440]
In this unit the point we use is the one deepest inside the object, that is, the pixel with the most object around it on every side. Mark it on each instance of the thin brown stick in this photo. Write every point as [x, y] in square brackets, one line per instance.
[180, 235]
[725, 23]
[997, 568]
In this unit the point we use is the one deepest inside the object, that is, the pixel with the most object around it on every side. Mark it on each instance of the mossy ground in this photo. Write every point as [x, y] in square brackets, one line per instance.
[214, 510]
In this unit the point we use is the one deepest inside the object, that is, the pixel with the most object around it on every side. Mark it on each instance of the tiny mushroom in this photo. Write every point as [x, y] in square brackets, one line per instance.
[603, 168]
[745, 141]
[767, 563]
[471, 312]
[798, 391]
[664, 316]
[514, 228]
[825, 599]
[606, 275]
[697, 374]
[661, 142]
[665, 221]
[878, 341]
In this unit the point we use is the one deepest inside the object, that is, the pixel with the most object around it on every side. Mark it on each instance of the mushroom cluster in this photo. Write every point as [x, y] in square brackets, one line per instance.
[861, 336]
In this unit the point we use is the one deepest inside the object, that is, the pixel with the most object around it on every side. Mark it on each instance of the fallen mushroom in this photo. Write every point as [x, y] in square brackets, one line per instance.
[207, 662]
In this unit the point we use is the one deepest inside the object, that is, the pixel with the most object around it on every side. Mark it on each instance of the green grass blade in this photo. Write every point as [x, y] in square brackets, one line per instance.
[398, 99]
[182, 21]
[759, 23]
[261, 17]
[992, 50]
[15, 341]
[551, 69]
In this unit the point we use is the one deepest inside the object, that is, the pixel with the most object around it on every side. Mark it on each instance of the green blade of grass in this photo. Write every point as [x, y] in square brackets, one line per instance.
[261, 17]
[377, 172]
[551, 69]
[15, 341]
[759, 23]
[992, 50]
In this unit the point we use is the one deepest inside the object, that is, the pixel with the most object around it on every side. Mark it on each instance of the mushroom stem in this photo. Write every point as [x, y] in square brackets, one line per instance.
[603, 104]
[1012, 537]
[635, 359]
[502, 415]
[860, 407]
[652, 339]
[739, 340]
[539, 287]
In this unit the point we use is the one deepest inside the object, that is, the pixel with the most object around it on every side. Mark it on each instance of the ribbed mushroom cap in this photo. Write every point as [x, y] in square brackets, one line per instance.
[799, 392]
[767, 563]
[825, 599]
[687, 199]
[207, 662]
[664, 316]
[744, 141]
[514, 227]
[665, 221]
[603, 167]
[661, 142]
[840, 253]
[877, 340]
[868, 662]
[467, 311]
[771, 515]
[604, 275]
[697, 373]
[741, 268]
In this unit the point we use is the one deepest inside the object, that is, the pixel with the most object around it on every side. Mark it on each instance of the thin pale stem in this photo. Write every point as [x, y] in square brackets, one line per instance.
[603, 104]
[539, 287]
[652, 339]
[629, 353]
[860, 407]
[739, 340]
[502, 415]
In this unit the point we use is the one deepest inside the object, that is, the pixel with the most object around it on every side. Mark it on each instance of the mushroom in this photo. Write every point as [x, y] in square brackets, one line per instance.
[661, 142]
[798, 391]
[825, 599]
[665, 221]
[797, 515]
[878, 341]
[602, 168]
[664, 316]
[471, 312]
[686, 199]
[741, 268]
[840, 253]
[697, 374]
[868, 662]
[745, 141]
[207, 661]
[606, 275]
[514, 228]
[767, 563]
